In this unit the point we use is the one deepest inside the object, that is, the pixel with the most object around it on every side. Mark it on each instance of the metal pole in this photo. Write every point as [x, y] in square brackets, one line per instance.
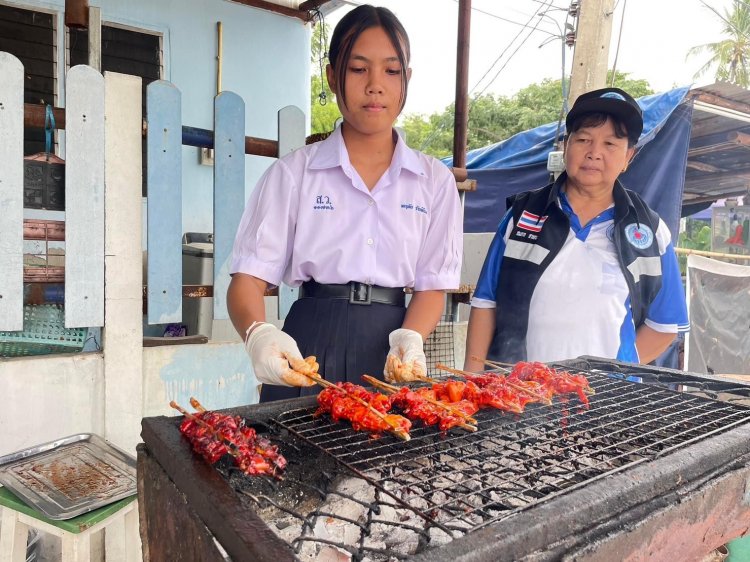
[462, 84]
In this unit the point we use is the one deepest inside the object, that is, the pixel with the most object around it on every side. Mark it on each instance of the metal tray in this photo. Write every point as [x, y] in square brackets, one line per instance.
[70, 476]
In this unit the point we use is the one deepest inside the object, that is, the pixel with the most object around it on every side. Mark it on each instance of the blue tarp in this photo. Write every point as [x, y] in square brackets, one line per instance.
[520, 163]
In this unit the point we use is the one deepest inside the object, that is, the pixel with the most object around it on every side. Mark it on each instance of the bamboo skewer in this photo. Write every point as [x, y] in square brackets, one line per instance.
[453, 411]
[324, 383]
[587, 390]
[542, 399]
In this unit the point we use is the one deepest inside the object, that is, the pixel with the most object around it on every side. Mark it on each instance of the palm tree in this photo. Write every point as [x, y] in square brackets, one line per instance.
[732, 54]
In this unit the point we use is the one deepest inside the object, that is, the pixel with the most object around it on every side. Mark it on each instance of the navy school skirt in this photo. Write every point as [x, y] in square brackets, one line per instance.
[348, 340]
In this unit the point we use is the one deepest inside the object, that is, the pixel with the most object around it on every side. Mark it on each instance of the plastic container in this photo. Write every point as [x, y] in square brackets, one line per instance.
[198, 269]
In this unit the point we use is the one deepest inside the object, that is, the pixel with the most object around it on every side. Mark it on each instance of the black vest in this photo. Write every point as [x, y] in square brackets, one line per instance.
[519, 275]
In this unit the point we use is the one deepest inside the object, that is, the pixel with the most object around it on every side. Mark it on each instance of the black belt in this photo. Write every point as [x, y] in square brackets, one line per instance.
[354, 292]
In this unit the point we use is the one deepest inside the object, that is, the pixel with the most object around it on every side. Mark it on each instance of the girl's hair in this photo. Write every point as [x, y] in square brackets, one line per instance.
[598, 119]
[351, 26]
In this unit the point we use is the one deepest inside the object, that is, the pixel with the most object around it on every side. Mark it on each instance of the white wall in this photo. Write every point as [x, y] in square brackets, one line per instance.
[48, 397]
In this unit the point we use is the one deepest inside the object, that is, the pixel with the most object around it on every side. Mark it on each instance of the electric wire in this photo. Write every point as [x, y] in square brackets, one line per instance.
[619, 39]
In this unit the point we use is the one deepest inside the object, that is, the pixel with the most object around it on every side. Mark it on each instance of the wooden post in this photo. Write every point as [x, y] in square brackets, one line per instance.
[95, 38]
[123, 332]
[591, 55]
[11, 192]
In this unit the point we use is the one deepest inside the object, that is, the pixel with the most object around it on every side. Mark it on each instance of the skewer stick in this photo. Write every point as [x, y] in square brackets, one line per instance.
[542, 399]
[453, 411]
[586, 389]
[493, 363]
[394, 429]
[197, 405]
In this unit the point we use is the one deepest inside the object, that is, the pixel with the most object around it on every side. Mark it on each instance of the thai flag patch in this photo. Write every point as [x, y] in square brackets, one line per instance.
[531, 222]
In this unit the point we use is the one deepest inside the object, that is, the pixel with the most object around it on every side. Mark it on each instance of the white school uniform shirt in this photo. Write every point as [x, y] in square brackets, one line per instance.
[312, 217]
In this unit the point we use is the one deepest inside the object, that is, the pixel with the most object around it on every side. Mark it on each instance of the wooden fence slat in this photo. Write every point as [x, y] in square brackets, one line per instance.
[229, 189]
[291, 137]
[84, 198]
[164, 146]
[11, 192]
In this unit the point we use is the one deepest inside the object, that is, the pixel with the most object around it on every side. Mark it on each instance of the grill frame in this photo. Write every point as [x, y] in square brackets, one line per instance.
[544, 528]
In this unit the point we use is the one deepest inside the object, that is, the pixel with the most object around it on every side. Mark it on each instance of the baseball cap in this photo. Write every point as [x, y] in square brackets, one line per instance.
[612, 101]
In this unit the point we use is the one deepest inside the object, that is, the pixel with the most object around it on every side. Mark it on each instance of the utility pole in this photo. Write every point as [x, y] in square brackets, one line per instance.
[591, 54]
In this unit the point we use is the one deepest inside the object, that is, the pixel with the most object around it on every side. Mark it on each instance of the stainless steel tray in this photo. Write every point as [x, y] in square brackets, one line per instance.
[70, 476]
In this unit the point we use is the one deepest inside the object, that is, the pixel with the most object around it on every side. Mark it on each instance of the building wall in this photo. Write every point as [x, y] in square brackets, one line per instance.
[46, 398]
[266, 61]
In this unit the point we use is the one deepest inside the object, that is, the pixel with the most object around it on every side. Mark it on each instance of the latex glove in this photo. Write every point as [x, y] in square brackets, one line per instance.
[271, 351]
[406, 360]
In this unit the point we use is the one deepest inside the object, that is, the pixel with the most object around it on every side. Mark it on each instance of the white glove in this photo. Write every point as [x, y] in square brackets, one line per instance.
[406, 360]
[271, 351]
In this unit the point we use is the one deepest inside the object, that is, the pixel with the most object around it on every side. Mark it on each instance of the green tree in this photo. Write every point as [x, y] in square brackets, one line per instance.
[323, 109]
[730, 55]
[496, 118]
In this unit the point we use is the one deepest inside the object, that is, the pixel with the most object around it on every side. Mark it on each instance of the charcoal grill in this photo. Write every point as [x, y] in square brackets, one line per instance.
[657, 465]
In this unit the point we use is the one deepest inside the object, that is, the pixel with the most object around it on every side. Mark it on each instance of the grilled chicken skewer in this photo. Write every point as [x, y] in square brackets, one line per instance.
[223, 434]
[561, 382]
[417, 404]
[395, 424]
[536, 394]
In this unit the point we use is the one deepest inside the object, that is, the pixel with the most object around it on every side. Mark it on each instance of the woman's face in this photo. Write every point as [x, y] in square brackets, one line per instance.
[594, 156]
[373, 83]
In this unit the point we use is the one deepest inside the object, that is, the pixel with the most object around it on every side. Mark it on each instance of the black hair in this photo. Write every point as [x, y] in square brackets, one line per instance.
[598, 119]
[348, 30]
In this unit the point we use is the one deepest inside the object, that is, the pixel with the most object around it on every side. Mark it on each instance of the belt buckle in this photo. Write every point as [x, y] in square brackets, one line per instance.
[360, 293]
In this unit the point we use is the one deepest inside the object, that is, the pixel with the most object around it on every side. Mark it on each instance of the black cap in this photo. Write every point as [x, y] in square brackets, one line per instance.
[612, 101]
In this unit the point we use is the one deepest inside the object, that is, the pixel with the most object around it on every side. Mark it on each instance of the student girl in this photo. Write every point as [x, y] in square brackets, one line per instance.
[351, 220]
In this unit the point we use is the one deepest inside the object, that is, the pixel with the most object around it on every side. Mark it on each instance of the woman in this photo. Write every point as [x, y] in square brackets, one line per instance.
[581, 266]
[352, 219]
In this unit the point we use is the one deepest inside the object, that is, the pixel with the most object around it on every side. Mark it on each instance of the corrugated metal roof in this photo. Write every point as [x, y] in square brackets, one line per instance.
[718, 162]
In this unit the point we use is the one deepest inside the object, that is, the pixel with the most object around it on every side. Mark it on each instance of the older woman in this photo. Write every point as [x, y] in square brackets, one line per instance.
[582, 266]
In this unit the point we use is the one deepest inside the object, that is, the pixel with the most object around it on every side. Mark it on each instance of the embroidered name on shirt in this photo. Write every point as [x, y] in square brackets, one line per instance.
[323, 202]
[418, 208]
[530, 221]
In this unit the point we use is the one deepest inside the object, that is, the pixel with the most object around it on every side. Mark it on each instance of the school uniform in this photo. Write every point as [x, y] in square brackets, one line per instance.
[561, 289]
[312, 222]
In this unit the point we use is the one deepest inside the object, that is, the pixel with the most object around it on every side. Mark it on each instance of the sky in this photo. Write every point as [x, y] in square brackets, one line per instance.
[655, 38]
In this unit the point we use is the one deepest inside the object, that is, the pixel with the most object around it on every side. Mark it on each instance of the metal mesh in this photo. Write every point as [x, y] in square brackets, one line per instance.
[438, 348]
[460, 482]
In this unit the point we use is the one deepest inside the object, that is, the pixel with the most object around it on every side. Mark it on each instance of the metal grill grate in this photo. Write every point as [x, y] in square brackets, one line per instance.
[461, 482]
[439, 348]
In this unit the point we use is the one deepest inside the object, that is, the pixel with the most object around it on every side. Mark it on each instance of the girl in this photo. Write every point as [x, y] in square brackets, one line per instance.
[351, 220]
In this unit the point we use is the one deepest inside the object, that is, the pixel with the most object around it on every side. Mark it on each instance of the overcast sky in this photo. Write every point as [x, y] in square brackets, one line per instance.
[655, 38]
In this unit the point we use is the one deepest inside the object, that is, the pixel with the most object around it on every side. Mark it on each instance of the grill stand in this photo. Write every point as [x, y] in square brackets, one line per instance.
[676, 507]
[647, 513]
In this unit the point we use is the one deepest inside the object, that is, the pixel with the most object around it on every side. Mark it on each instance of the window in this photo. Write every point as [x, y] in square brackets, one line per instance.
[30, 36]
[126, 51]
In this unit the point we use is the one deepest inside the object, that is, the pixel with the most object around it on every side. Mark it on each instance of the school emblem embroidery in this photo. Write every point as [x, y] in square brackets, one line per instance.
[323, 202]
[531, 222]
[639, 235]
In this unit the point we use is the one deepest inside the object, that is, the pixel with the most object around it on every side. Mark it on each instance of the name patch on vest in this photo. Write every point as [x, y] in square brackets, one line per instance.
[639, 235]
[531, 222]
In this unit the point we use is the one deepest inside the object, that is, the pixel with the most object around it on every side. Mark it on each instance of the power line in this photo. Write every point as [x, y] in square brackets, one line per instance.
[512, 54]
[619, 38]
[506, 19]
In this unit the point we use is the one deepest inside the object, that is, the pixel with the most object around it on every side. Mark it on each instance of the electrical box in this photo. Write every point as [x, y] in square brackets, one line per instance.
[555, 162]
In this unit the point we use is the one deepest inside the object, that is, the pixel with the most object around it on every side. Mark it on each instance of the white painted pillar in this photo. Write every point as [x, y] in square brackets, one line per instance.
[123, 301]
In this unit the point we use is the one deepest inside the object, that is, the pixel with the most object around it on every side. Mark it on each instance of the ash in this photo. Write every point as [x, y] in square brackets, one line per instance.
[326, 513]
